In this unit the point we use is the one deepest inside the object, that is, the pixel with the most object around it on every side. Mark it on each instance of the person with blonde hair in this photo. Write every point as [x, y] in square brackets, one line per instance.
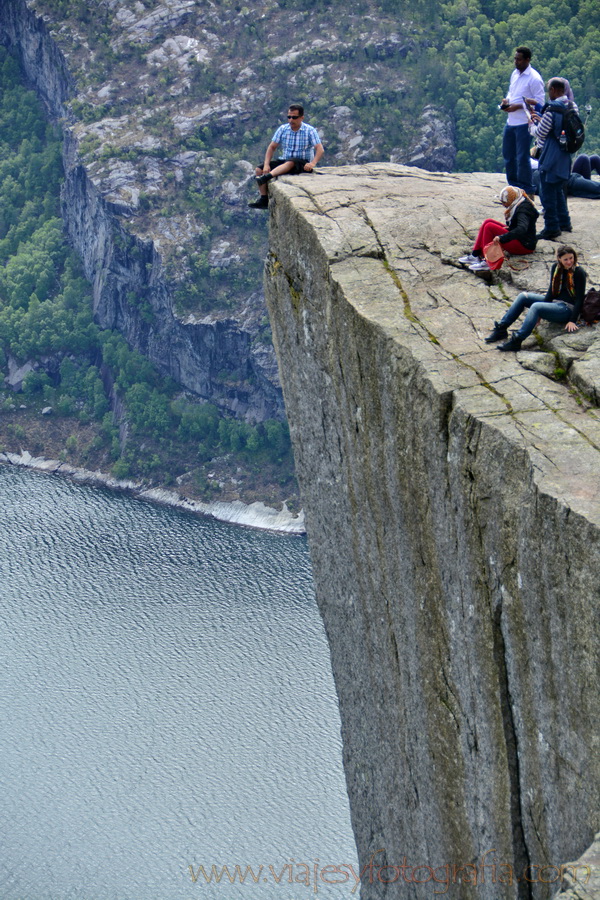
[516, 236]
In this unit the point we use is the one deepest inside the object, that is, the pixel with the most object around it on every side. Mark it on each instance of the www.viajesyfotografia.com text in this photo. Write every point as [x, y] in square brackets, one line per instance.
[314, 875]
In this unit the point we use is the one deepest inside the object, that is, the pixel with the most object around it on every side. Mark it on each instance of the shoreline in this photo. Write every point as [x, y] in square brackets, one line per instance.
[253, 515]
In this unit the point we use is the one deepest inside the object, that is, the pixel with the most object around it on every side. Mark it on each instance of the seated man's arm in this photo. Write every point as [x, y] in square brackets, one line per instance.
[269, 156]
[319, 151]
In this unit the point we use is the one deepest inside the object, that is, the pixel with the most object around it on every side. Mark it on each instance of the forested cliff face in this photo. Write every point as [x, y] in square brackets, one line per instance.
[452, 499]
[145, 93]
[132, 288]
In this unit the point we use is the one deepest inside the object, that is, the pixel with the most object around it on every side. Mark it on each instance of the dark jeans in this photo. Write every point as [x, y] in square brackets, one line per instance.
[516, 142]
[578, 186]
[554, 201]
[584, 165]
[553, 312]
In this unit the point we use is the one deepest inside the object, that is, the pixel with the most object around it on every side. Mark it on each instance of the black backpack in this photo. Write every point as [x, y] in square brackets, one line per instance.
[572, 126]
[590, 311]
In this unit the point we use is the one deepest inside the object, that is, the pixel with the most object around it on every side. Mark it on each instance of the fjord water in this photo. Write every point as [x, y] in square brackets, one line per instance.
[166, 702]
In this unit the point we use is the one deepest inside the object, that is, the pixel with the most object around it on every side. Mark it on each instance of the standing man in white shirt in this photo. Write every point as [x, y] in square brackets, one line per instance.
[516, 142]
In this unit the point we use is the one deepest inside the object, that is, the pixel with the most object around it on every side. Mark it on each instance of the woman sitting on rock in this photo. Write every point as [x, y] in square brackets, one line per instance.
[562, 303]
[517, 236]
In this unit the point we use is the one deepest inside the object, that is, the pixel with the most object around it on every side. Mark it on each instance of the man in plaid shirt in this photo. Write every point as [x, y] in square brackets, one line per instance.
[301, 150]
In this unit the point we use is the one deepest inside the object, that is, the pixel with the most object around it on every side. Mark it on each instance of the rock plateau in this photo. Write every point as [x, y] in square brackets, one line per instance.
[452, 499]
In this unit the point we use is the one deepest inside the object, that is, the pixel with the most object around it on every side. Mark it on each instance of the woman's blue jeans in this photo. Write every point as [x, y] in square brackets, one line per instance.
[552, 312]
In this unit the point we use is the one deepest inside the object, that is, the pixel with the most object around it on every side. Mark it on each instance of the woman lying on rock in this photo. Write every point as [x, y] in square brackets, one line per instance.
[517, 236]
[562, 302]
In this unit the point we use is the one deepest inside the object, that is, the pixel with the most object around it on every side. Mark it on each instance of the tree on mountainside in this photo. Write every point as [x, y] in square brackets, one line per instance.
[477, 39]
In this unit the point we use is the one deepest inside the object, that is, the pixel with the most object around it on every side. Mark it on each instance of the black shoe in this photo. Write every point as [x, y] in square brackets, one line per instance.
[262, 179]
[569, 229]
[263, 203]
[548, 235]
[498, 333]
[513, 344]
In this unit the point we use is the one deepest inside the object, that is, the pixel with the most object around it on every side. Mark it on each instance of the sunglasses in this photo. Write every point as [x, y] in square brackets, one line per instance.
[293, 117]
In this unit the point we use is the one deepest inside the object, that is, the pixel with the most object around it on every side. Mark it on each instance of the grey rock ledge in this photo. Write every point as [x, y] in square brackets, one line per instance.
[453, 511]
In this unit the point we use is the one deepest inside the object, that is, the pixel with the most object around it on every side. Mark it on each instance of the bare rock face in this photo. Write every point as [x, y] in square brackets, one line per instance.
[452, 503]
[581, 879]
[434, 149]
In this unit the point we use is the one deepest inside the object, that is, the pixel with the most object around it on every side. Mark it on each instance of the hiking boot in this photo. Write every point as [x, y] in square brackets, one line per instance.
[261, 203]
[498, 333]
[262, 179]
[514, 344]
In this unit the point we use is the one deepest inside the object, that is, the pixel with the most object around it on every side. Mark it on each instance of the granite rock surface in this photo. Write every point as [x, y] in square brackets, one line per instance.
[452, 498]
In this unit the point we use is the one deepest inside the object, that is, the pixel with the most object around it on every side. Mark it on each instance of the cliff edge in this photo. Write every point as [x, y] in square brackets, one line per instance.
[453, 510]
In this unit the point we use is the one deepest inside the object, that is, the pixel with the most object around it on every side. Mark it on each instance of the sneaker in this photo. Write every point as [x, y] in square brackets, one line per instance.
[548, 235]
[514, 344]
[469, 260]
[262, 179]
[262, 203]
[498, 333]
[480, 266]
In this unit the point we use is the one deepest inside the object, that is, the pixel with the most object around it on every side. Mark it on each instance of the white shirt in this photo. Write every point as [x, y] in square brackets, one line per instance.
[524, 84]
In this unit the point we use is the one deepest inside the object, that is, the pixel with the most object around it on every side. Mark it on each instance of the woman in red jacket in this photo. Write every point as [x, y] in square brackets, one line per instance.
[517, 236]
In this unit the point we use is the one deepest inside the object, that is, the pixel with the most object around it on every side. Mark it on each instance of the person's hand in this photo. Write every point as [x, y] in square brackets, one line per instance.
[571, 326]
[535, 117]
[497, 239]
[266, 168]
[308, 167]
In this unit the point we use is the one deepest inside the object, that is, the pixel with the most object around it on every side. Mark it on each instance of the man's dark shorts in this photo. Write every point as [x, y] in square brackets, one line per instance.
[298, 165]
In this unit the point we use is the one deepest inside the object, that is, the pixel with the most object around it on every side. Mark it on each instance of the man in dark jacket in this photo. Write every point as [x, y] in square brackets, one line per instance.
[555, 162]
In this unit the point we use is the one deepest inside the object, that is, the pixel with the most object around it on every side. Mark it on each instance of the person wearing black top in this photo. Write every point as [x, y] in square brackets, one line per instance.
[516, 237]
[561, 303]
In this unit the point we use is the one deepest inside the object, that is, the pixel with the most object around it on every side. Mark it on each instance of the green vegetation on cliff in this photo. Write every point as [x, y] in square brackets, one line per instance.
[473, 57]
[110, 407]
[211, 81]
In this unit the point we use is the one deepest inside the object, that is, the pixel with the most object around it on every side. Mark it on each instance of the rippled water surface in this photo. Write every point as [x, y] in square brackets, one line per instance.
[166, 702]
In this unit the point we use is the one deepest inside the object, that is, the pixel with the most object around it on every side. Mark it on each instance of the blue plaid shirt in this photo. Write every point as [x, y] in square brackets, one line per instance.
[297, 144]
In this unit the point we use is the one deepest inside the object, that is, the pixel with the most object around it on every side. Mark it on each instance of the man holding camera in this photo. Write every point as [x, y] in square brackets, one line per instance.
[524, 82]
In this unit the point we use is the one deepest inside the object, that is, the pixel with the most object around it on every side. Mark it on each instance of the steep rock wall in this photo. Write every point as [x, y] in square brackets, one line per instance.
[452, 504]
[213, 357]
